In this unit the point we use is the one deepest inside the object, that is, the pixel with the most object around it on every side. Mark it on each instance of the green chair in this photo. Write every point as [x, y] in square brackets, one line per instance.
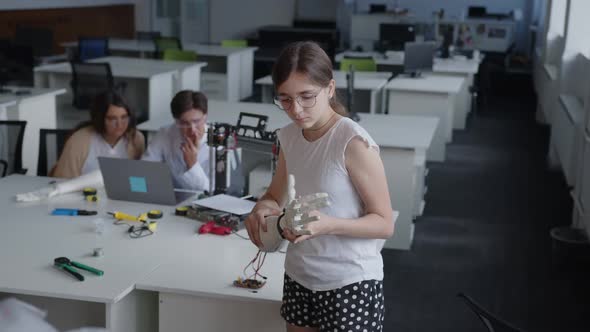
[178, 55]
[234, 43]
[364, 64]
[166, 43]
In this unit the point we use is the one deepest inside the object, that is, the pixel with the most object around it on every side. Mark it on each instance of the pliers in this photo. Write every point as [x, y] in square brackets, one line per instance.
[68, 266]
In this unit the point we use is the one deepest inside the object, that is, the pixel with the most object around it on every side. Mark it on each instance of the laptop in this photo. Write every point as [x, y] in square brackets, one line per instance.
[140, 181]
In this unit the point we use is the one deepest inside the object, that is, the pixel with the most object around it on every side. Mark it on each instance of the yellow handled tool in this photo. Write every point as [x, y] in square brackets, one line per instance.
[123, 216]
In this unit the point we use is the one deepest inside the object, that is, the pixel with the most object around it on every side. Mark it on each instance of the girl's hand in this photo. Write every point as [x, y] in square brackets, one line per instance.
[255, 221]
[323, 226]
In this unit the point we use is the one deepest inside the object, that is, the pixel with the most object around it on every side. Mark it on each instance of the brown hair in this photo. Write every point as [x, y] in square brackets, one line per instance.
[187, 100]
[100, 107]
[310, 59]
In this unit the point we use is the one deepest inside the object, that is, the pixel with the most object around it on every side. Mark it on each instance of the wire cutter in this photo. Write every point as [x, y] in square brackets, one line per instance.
[68, 266]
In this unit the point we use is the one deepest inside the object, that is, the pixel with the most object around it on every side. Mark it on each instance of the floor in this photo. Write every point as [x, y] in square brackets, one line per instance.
[485, 232]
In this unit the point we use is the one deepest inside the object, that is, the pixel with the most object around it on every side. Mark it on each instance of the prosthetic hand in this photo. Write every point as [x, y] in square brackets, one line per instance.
[93, 179]
[295, 217]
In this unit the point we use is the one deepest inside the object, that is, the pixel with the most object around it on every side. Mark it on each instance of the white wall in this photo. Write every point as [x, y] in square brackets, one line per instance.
[237, 19]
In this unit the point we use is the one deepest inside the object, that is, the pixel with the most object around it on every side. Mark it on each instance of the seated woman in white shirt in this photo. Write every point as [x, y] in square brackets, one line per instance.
[110, 133]
[183, 144]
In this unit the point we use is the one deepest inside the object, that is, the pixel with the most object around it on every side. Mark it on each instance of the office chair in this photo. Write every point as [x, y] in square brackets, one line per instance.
[179, 55]
[90, 79]
[4, 168]
[234, 43]
[490, 321]
[12, 134]
[92, 48]
[51, 144]
[360, 64]
[147, 35]
[166, 43]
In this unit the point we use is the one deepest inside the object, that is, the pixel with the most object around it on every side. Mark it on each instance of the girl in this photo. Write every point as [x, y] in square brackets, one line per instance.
[333, 277]
[110, 133]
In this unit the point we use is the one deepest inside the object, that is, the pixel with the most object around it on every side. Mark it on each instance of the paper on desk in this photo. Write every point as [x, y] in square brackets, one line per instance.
[226, 203]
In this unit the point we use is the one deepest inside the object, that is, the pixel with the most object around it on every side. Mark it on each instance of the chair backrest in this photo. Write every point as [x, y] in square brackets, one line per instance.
[234, 43]
[11, 146]
[92, 48]
[364, 64]
[147, 35]
[166, 43]
[51, 144]
[88, 80]
[179, 55]
[490, 321]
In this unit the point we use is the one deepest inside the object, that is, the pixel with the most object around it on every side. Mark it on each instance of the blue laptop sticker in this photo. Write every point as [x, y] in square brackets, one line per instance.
[137, 184]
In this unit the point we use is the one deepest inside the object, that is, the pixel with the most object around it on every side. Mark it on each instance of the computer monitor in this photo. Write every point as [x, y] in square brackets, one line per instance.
[418, 57]
[394, 35]
[140, 181]
[377, 8]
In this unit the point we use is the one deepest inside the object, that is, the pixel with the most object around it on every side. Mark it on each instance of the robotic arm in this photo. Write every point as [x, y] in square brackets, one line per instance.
[93, 179]
[295, 217]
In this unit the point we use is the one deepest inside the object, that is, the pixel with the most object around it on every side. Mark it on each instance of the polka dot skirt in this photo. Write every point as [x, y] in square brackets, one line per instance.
[354, 307]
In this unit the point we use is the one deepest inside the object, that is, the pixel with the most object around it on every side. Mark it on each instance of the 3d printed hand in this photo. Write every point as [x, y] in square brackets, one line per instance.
[295, 218]
[93, 179]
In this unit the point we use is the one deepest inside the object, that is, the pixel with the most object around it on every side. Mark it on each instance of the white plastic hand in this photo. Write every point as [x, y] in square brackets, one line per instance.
[37, 195]
[297, 211]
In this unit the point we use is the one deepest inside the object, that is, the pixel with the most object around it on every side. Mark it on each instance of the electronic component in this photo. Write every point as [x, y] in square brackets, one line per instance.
[249, 283]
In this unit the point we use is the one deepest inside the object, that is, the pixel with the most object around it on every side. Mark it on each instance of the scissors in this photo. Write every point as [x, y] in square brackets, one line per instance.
[68, 266]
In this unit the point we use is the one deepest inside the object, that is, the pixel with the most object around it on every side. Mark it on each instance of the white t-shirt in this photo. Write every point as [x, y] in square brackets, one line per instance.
[101, 148]
[329, 261]
[165, 146]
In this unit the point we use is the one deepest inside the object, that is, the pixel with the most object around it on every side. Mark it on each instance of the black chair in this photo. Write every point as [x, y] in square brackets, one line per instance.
[490, 321]
[51, 144]
[11, 146]
[90, 79]
[92, 48]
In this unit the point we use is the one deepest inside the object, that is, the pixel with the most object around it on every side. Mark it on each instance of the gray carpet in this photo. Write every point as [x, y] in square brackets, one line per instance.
[485, 232]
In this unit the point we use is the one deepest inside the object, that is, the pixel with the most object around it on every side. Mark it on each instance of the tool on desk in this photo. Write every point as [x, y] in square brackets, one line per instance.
[152, 214]
[211, 227]
[72, 212]
[90, 194]
[181, 210]
[69, 266]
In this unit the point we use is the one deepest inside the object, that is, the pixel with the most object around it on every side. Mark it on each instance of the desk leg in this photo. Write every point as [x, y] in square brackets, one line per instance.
[430, 105]
[233, 77]
[177, 312]
[400, 170]
[137, 311]
[190, 79]
[160, 94]
[246, 73]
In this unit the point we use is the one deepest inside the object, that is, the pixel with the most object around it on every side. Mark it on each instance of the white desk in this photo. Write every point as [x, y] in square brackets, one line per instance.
[229, 73]
[187, 75]
[114, 300]
[38, 108]
[403, 140]
[196, 289]
[149, 88]
[428, 95]
[368, 89]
